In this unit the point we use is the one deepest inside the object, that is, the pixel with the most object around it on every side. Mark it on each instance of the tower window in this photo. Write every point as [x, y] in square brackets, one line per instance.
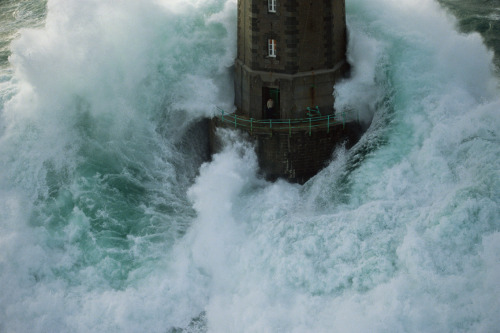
[271, 6]
[271, 47]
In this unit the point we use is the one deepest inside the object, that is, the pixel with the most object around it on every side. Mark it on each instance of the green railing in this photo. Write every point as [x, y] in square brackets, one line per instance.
[309, 124]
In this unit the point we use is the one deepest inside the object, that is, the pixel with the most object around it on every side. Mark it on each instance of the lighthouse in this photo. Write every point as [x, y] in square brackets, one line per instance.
[290, 54]
[289, 51]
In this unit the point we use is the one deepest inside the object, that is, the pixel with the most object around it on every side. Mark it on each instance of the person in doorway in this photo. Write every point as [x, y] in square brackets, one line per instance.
[270, 108]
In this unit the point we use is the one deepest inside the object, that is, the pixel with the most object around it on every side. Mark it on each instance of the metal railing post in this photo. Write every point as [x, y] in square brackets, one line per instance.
[328, 125]
[251, 126]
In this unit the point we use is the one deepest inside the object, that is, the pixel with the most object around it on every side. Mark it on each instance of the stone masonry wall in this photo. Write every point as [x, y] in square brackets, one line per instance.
[296, 157]
[310, 34]
[311, 45]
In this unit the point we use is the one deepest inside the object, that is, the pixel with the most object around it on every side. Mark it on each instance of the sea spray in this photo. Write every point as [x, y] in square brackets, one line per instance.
[108, 222]
[407, 249]
[93, 179]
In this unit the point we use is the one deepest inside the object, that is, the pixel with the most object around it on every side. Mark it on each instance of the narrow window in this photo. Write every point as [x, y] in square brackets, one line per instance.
[271, 43]
[271, 6]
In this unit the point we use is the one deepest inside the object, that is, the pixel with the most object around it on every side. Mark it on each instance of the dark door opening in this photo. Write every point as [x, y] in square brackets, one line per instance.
[270, 103]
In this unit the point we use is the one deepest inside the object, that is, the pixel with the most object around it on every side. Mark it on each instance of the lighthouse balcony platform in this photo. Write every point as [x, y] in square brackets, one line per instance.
[312, 122]
[293, 149]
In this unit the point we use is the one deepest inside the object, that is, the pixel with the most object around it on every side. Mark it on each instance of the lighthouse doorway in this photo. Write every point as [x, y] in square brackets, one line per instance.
[270, 103]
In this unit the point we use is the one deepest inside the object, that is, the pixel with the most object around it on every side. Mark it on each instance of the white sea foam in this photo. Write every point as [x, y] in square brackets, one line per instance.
[102, 230]
[405, 246]
[93, 181]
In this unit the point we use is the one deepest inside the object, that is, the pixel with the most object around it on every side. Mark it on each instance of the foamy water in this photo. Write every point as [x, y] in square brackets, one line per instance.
[111, 219]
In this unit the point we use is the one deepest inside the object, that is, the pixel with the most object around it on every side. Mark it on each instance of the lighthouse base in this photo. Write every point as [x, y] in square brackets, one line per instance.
[294, 156]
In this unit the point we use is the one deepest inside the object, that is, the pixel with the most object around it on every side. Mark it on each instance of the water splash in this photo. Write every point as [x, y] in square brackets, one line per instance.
[110, 220]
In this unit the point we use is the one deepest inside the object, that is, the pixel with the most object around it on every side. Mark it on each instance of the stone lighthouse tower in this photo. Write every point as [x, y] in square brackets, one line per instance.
[289, 51]
[290, 55]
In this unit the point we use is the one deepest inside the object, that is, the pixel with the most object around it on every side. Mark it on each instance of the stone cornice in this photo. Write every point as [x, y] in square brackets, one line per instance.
[277, 75]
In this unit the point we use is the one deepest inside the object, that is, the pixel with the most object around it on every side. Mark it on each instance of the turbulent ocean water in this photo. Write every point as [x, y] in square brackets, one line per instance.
[113, 219]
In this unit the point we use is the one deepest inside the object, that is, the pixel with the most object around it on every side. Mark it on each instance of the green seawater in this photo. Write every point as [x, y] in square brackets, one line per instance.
[482, 16]
[113, 218]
